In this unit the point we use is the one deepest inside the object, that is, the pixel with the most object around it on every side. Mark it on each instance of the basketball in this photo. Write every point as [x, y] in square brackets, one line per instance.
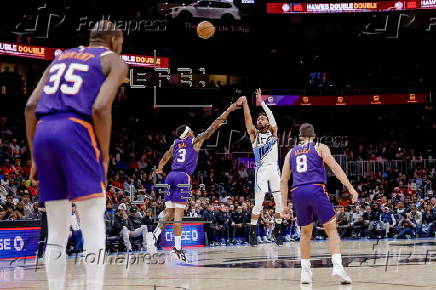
[205, 29]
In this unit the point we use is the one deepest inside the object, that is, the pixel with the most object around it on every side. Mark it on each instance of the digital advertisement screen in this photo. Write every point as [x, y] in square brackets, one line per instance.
[18, 242]
[352, 100]
[192, 236]
[349, 7]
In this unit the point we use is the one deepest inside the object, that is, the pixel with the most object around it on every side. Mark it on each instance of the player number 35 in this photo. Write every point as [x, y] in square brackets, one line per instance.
[57, 72]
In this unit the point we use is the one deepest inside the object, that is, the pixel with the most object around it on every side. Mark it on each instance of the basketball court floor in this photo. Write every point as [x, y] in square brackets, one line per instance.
[405, 264]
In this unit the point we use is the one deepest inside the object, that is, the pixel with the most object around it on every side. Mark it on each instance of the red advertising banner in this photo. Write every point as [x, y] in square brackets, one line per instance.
[349, 7]
[49, 53]
[348, 100]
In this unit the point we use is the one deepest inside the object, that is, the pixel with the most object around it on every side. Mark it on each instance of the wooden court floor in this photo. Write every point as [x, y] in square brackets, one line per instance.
[405, 264]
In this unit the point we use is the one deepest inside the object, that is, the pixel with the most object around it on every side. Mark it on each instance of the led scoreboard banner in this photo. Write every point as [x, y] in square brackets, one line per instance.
[349, 7]
[49, 53]
[339, 100]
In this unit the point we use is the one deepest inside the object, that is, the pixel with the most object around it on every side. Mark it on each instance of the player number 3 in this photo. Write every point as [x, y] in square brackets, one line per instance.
[301, 163]
[182, 155]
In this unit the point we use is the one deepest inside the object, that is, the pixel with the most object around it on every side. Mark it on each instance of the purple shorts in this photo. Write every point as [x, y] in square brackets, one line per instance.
[179, 187]
[310, 199]
[68, 159]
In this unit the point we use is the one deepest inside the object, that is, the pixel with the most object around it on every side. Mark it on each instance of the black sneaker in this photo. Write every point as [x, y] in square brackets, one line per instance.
[277, 235]
[180, 254]
[252, 236]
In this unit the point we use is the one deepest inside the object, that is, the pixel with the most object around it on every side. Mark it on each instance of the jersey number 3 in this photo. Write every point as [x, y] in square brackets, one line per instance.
[301, 163]
[182, 155]
[56, 72]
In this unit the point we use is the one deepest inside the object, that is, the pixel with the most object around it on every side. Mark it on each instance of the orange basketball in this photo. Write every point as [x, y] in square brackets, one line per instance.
[205, 29]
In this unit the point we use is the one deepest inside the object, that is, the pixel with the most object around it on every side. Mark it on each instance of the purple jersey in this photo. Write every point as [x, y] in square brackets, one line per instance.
[74, 80]
[307, 166]
[184, 156]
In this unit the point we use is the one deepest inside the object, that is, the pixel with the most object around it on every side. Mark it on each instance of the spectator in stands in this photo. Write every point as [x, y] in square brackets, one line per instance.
[76, 239]
[209, 216]
[222, 226]
[238, 225]
[387, 220]
[407, 228]
[343, 222]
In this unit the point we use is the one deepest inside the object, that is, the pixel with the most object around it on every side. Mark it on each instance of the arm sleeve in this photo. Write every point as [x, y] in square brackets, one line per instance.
[269, 114]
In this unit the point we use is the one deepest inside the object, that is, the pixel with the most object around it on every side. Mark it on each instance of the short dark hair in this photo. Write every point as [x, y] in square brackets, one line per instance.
[103, 31]
[307, 130]
[180, 130]
[262, 113]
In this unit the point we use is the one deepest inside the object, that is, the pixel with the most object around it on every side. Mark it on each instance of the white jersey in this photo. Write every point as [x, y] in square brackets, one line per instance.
[265, 149]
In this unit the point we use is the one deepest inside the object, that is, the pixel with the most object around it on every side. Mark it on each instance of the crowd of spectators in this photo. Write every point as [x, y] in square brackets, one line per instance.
[391, 203]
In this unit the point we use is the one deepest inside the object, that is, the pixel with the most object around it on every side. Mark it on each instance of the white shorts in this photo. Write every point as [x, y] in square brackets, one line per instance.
[267, 173]
[267, 179]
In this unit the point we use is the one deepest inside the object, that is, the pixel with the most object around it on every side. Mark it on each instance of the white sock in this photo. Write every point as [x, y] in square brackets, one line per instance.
[305, 263]
[253, 222]
[337, 259]
[59, 220]
[91, 212]
[278, 221]
[178, 242]
[157, 231]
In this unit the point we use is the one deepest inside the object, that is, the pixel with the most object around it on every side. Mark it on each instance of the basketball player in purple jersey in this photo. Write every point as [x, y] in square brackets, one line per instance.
[306, 163]
[184, 152]
[73, 98]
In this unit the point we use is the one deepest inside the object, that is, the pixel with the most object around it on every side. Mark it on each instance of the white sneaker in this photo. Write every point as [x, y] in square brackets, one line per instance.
[306, 275]
[339, 271]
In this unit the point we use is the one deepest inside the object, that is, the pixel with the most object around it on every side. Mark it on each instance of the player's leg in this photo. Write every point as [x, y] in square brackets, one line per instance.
[275, 190]
[178, 216]
[305, 240]
[53, 191]
[91, 212]
[168, 215]
[302, 199]
[181, 195]
[58, 220]
[260, 187]
[326, 214]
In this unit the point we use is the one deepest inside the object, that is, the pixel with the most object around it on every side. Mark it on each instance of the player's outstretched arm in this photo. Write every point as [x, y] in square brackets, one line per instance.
[284, 187]
[269, 114]
[337, 170]
[199, 140]
[116, 71]
[167, 156]
[247, 117]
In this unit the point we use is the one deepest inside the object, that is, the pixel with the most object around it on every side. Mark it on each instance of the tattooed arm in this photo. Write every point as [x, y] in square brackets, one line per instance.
[199, 140]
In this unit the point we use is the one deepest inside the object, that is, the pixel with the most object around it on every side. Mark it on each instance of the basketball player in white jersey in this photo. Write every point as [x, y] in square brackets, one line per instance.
[264, 139]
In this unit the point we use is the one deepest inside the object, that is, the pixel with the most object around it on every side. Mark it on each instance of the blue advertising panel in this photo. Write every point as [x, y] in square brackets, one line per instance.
[19, 242]
[192, 236]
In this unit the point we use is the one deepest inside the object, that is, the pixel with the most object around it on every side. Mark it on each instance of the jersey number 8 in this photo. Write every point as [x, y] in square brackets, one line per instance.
[301, 163]
[57, 72]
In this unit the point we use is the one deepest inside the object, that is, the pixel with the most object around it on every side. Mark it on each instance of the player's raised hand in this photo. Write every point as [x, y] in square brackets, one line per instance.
[259, 95]
[233, 106]
[241, 100]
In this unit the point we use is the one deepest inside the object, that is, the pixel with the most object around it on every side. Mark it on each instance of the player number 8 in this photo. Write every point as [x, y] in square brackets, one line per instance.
[301, 163]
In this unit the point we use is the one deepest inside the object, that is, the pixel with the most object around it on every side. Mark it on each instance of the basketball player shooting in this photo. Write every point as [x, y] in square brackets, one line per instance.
[264, 141]
[306, 163]
[184, 152]
[72, 99]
